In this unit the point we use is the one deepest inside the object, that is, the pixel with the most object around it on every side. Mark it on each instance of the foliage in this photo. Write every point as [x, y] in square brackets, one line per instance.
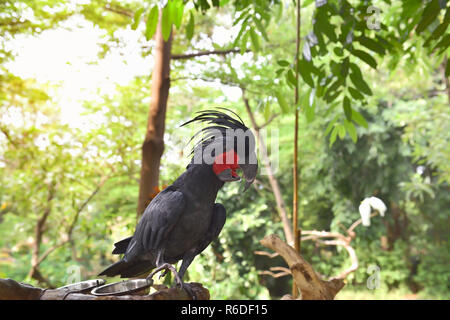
[386, 88]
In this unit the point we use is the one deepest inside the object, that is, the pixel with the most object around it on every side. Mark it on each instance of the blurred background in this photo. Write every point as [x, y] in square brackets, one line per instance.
[75, 99]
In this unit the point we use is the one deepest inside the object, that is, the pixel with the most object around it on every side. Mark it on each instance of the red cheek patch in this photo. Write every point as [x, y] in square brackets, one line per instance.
[226, 160]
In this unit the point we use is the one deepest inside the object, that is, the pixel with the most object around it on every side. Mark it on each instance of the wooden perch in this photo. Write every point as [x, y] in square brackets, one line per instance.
[311, 286]
[13, 290]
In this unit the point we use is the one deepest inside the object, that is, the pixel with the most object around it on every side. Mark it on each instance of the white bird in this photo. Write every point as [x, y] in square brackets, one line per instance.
[378, 204]
[366, 207]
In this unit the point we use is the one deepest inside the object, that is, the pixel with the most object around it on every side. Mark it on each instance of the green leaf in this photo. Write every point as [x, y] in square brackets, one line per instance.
[283, 105]
[303, 101]
[137, 18]
[430, 13]
[341, 131]
[279, 71]
[190, 26]
[333, 135]
[355, 93]
[358, 81]
[283, 63]
[331, 125]
[355, 69]
[166, 21]
[291, 78]
[350, 127]
[440, 29]
[445, 42]
[347, 108]
[255, 40]
[364, 56]
[333, 87]
[305, 69]
[371, 45]
[152, 23]
[244, 42]
[359, 119]
[267, 111]
[261, 29]
[329, 96]
[447, 69]
[241, 31]
[309, 109]
[338, 51]
[344, 68]
[323, 25]
[178, 13]
[279, 11]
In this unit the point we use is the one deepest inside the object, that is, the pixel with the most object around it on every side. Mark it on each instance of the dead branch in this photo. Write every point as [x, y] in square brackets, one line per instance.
[350, 231]
[13, 290]
[265, 253]
[311, 286]
[338, 240]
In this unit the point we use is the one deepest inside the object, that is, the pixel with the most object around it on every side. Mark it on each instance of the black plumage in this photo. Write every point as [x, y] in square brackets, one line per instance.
[183, 219]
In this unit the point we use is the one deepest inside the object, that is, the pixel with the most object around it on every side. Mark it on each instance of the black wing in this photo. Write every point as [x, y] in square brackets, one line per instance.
[158, 219]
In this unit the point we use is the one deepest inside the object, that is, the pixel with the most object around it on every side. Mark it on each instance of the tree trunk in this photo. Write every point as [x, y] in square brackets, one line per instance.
[38, 234]
[281, 206]
[153, 146]
[295, 230]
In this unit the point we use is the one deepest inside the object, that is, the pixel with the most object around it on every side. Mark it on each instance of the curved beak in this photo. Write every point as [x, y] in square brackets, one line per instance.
[249, 173]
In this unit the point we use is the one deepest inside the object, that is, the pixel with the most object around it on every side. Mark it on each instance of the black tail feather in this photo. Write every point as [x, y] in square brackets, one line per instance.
[115, 269]
[127, 269]
[121, 246]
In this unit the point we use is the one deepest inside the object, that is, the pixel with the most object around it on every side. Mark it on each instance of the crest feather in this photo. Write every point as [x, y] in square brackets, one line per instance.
[217, 121]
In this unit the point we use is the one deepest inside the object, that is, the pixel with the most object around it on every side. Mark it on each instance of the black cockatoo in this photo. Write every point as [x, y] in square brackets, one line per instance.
[183, 219]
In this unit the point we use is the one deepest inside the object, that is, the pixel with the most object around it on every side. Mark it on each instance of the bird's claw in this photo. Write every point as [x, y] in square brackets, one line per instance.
[167, 267]
[179, 283]
[163, 274]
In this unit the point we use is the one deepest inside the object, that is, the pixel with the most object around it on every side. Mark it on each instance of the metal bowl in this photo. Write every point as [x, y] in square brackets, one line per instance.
[135, 286]
[83, 286]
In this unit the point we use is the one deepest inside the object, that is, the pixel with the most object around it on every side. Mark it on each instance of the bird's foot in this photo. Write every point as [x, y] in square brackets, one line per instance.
[167, 267]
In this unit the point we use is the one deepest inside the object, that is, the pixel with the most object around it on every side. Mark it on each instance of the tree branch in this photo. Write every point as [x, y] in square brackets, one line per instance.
[281, 206]
[74, 222]
[119, 10]
[306, 279]
[271, 118]
[205, 53]
[282, 271]
[265, 253]
[8, 136]
[38, 232]
[350, 231]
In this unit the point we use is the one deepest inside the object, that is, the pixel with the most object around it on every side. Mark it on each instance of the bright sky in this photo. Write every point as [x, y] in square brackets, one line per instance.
[64, 59]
